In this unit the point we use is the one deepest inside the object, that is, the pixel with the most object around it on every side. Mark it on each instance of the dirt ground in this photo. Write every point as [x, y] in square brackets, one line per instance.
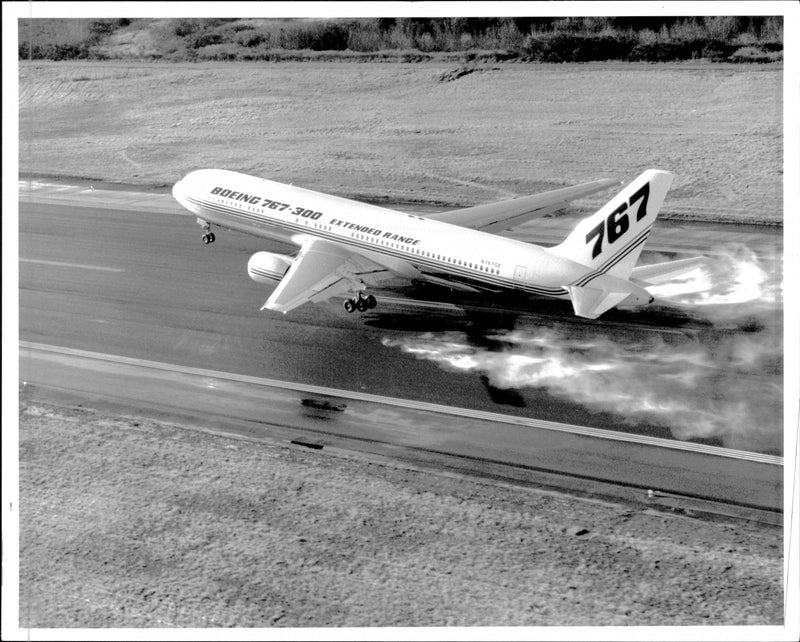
[132, 522]
[411, 132]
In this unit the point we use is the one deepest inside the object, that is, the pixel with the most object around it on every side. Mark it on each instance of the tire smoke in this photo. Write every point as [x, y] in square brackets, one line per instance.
[721, 380]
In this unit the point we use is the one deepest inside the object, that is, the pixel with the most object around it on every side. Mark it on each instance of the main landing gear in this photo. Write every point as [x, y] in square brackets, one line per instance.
[208, 236]
[362, 303]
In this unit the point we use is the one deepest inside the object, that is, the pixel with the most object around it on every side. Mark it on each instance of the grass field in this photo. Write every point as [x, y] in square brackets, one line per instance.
[131, 522]
[418, 132]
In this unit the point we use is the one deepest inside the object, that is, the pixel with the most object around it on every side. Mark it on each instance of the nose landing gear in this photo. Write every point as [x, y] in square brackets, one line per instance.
[362, 303]
[208, 236]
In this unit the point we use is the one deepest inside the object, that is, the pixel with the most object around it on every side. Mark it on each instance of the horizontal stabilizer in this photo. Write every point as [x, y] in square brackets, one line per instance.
[590, 303]
[660, 272]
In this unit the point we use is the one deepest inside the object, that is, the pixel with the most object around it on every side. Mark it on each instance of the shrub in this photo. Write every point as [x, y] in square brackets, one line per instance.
[317, 36]
[225, 51]
[716, 50]
[186, 27]
[101, 28]
[771, 46]
[721, 27]
[252, 38]
[667, 51]
[503, 35]
[206, 39]
[54, 51]
[754, 54]
[564, 47]
[366, 37]
[425, 42]
[573, 39]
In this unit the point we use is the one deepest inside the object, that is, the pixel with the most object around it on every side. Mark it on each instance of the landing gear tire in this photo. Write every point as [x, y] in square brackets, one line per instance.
[362, 303]
[209, 238]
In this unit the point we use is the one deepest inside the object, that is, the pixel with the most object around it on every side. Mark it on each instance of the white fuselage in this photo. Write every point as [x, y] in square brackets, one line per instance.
[405, 243]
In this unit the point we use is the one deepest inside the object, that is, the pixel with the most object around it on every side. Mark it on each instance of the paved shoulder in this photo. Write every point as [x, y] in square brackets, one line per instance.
[88, 195]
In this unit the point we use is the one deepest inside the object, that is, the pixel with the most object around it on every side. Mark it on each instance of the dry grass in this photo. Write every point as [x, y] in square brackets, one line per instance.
[135, 523]
[398, 131]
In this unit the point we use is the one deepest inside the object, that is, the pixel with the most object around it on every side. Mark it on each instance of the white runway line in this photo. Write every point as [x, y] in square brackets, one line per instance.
[73, 265]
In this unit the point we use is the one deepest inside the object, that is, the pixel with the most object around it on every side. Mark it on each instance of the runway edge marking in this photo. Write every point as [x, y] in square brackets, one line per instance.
[599, 433]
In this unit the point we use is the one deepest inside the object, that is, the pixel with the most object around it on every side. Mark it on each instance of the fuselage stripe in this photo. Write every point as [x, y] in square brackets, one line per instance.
[414, 259]
[611, 262]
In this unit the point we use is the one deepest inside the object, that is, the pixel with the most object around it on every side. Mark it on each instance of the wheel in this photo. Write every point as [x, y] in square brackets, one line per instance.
[361, 305]
[371, 302]
[211, 237]
[349, 305]
[206, 238]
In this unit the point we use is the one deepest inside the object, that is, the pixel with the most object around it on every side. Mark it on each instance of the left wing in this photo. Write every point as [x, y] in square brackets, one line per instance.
[496, 217]
[320, 271]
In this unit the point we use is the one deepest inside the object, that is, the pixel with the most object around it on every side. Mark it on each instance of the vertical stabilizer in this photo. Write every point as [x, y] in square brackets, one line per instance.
[611, 240]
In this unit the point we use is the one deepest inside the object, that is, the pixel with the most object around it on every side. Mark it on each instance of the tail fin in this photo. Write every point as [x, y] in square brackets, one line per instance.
[611, 240]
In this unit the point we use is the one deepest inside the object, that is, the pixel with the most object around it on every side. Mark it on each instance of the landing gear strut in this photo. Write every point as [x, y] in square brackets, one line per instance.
[362, 303]
[208, 236]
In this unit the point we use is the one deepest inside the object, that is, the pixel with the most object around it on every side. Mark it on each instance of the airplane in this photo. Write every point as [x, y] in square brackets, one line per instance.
[348, 246]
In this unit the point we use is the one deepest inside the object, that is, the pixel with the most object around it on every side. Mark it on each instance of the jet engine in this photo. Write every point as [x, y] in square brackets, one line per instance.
[266, 267]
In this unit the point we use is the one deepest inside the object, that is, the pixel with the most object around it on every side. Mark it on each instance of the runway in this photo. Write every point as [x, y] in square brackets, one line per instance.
[689, 476]
[136, 282]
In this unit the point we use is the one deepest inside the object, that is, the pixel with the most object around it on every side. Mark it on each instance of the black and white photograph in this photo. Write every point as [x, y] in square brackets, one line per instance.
[402, 320]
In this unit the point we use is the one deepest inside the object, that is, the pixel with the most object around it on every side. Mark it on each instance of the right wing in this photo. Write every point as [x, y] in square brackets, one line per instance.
[320, 271]
[496, 217]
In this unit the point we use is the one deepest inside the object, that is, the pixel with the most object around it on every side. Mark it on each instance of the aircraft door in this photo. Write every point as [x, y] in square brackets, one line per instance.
[520, 273]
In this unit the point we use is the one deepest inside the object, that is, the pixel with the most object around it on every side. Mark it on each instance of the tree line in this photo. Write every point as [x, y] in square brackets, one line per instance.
[530, 39]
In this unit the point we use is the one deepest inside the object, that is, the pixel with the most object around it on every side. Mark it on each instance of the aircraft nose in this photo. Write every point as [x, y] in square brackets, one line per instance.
[179, 190]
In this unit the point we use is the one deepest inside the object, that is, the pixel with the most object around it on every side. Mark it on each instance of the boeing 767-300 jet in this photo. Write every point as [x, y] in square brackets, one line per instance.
[347, 246]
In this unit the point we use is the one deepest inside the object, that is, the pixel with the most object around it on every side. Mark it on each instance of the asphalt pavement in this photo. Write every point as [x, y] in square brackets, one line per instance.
[135, 281]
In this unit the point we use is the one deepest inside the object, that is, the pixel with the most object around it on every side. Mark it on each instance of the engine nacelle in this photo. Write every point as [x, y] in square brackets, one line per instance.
[266, 267]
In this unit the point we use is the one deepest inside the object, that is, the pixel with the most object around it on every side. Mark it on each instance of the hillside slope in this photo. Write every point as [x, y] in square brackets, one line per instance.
[418, 132]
